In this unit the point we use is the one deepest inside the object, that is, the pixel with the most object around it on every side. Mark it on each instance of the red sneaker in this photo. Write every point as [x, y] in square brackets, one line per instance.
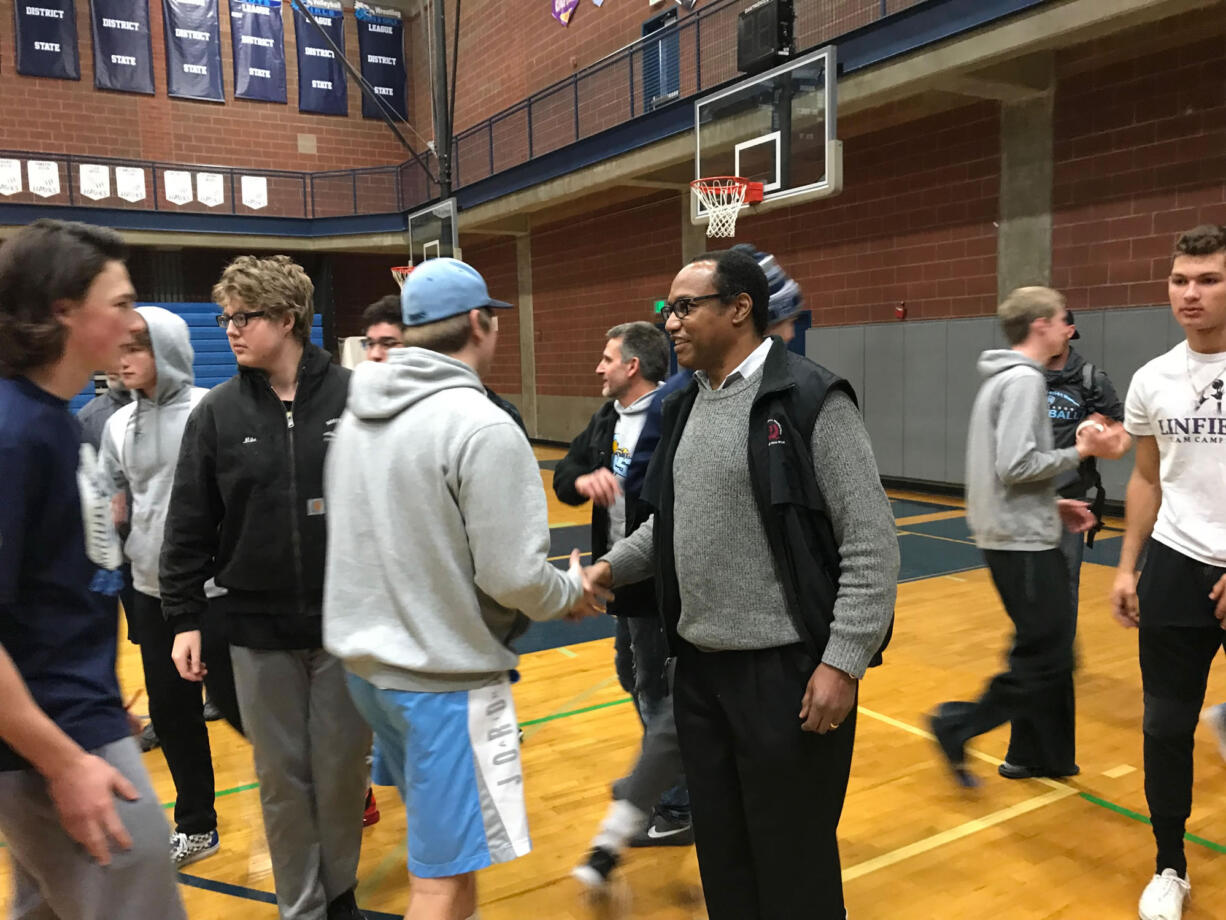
[371, 816]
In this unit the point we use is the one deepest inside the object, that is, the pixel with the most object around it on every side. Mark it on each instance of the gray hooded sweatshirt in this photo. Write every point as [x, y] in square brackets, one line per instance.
[140, 444]
[438, 529]
[1011, 464]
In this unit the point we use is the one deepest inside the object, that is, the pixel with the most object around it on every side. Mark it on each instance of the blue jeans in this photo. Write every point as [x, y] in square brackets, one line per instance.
[641, 653]
[1073, 549]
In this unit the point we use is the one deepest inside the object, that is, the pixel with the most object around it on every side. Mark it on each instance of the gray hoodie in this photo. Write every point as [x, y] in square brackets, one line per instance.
[438, 529]
[140, 444]
[1011, 464]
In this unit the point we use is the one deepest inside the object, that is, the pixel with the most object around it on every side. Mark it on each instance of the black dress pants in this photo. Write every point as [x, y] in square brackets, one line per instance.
[177, 711]
[766, 796]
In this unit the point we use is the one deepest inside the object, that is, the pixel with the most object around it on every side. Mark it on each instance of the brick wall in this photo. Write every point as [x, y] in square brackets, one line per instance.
[510, 50]
[914, 224]
[592, 273]
[1140, 147]
[497, 264]
[64, 116]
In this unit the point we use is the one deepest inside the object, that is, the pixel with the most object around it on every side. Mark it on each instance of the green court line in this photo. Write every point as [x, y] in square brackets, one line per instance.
[574, 712]
[219, 794]
[1137, 816]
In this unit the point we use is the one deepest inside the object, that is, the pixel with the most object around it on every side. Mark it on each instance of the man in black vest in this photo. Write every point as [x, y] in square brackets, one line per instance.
[776, 562]
[1076, 390]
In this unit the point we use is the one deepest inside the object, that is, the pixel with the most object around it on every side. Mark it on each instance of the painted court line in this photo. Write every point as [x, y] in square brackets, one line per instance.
[956, 833]
[1122, 770]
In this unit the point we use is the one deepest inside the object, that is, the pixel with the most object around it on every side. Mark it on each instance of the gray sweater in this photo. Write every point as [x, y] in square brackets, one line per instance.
[730, 593]
[1011, 460]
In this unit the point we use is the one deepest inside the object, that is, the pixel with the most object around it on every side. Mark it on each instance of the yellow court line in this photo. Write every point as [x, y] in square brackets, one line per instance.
[955, 833]
[933, 516]
[567, 556]
[932, 536]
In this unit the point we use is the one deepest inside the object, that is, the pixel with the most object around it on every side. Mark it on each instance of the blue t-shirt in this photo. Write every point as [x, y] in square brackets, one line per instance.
[56, 632]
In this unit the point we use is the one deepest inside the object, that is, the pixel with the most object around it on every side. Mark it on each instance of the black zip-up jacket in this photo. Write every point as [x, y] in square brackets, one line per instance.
[591, 450]
[248, 507]
[790, 504]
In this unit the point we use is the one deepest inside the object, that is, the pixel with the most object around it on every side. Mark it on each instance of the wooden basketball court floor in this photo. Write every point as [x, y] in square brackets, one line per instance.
[913, 845]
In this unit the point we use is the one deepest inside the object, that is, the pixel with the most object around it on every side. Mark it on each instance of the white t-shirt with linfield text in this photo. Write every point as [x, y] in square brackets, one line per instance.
[1178, 398]
[630, 422]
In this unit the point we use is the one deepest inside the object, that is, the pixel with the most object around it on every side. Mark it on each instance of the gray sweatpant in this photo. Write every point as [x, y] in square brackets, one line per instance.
[54, 878]
[310, 746]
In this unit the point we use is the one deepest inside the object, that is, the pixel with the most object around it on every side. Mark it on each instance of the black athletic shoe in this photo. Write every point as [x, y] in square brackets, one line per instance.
[596, 869]
[1017, 771]
[951, 748]
[664, 831]
[211, 712]
[345, 908]
[148, 738]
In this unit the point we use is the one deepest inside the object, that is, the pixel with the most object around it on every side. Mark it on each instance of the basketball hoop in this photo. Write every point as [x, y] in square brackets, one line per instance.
[723, 197]
[401, 274]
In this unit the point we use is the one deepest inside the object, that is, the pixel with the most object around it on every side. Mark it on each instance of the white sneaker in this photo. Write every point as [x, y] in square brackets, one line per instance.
[1164, 897]
[1215, 718]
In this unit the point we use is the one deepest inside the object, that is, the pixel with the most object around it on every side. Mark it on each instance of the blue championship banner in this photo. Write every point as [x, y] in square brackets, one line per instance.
[123, 50]
[47, 39]
[321, 76]
[258, 37]
[381, 45]
[193, 49]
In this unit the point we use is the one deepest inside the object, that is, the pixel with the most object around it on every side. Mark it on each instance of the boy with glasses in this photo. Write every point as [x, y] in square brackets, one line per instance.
[248, 509]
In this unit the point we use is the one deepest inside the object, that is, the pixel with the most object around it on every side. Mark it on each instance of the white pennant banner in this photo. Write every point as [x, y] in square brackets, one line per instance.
[130, 183]
[209, 189]
[95, 181]
[255, 192]
[178, 186]
[44, 176]
[10, 177]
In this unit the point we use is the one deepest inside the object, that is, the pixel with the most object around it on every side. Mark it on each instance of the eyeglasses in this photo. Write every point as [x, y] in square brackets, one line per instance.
[240, 319]
[683, 305]
[385, 342]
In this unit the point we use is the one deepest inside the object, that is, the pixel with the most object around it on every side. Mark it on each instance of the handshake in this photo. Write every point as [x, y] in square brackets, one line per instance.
[597, 588]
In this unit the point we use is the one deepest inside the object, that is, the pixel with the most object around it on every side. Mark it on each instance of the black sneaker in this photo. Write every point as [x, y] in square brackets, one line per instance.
[345, 908]
[941, 724]
[664, 831]
[148, 738]
[596, 869]
[211, 712]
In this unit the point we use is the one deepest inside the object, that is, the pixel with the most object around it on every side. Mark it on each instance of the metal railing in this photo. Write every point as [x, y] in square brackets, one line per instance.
[666, 68]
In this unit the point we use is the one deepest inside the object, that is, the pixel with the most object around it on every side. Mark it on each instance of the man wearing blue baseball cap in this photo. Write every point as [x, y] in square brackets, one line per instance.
[439, 545]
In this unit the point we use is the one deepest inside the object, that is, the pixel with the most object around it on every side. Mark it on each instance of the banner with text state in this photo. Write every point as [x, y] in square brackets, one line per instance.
[193, 49]
[381, 46]
[47, 39]
[123, 50]
[258, 37]
[321, 76]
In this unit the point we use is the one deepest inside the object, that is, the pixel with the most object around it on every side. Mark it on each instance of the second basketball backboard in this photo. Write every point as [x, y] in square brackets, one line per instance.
[777, 128]
[434, 232]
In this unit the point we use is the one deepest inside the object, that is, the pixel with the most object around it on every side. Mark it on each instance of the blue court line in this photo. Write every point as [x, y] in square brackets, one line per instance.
[254, 894]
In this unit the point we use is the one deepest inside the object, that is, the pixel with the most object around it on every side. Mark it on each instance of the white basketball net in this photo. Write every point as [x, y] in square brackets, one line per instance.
[401, 274]
[722, 197]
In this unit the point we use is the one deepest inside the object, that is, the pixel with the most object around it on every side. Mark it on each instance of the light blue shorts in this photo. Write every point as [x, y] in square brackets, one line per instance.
[455, 759]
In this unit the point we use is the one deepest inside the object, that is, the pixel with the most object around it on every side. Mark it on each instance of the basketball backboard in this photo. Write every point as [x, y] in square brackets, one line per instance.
[777, 128]
[433, 232]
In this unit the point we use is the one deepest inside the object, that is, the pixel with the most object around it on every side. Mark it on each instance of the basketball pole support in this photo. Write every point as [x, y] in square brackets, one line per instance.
[438, 85]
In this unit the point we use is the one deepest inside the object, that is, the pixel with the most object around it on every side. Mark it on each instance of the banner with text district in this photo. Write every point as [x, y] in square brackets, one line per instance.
[381, 46]
[321, 76]
[47, 39]
[193, 49]
[258, 37]
[123, 51]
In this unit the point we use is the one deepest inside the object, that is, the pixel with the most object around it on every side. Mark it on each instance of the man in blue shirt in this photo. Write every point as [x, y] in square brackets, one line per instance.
[78, 813]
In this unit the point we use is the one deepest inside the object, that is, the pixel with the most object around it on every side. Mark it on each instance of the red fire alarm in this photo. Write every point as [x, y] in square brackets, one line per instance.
[900, 311]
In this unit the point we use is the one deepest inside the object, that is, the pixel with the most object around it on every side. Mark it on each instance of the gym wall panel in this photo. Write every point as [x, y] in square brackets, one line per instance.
[841, 350]
[965, 340]
[884, 384]
[923, 399]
